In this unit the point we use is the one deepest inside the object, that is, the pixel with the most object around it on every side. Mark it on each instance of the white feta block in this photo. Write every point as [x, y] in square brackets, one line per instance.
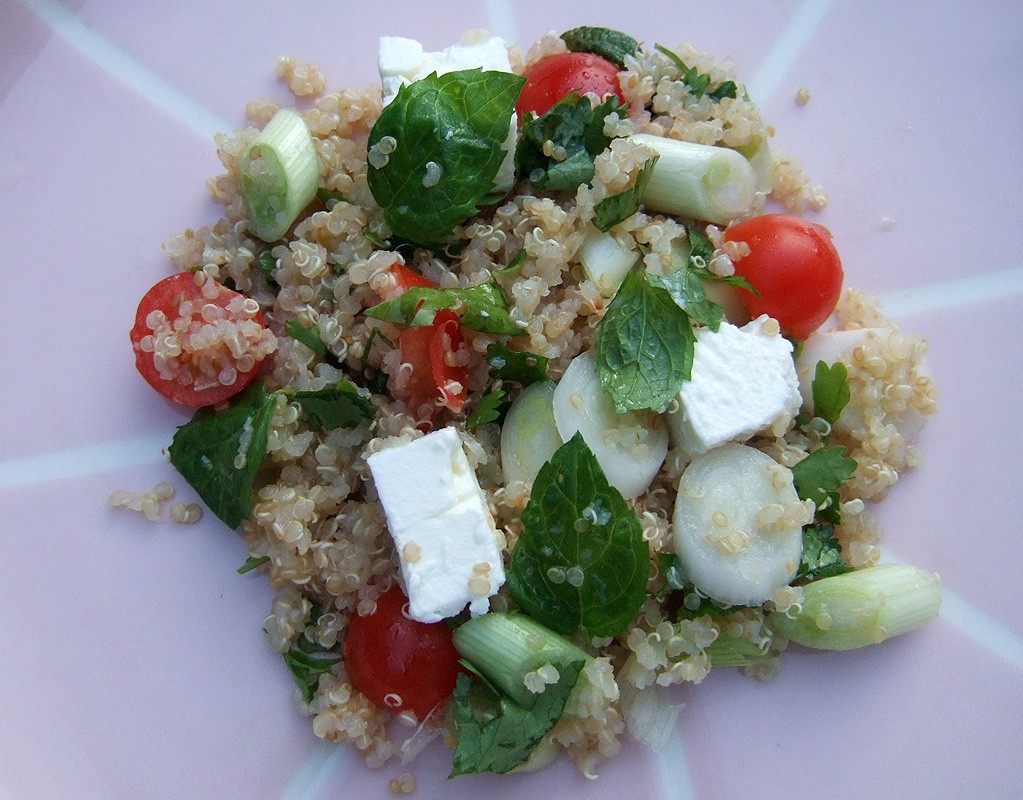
[447, 543]
[743, 380]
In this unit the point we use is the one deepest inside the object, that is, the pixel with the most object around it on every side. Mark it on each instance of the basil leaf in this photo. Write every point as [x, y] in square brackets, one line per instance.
[619, 207]
[576, 130]
[819, 476]
[686, 289]
[580, 560]
[480, 308]
[219, 452]
[831, 391]
[644, 346]
[513, 365]
[456, 123]
[337, 406]
[822, 554]
[495, 734]
[604, 42]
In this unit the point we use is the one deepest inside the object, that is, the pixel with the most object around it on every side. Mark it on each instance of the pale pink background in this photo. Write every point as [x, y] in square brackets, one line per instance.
[132, 664]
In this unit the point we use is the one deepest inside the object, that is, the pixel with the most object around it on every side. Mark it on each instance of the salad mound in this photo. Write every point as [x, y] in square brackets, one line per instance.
[525, 405]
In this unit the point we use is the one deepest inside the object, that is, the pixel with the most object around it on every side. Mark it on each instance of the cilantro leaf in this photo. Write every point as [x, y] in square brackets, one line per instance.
[686, 289]
[337, 406]
[822, 555]
[513, 365]
[819, 476]
[219, 452]
[618, 207]
[830, 390]
[605, 42]
[495, 734]
[456, 122]
[644, 345]
[481, 308]
[575, 522]
[699, 82]
[571, 125]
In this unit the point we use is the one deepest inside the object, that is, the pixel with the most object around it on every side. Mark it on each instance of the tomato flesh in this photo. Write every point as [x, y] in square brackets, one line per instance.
[400, 663]
[794, 266]
[553, 77]
[197, 342]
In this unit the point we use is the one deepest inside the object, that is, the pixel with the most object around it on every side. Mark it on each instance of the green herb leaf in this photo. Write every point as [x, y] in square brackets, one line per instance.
[329, 197]
[819, 476]
[480, 308]
[577, 525]
[686, 289]
[457, 122]
[822, 555]
[830, 390]
[309, 335]
[251, 563]
[268, 266]
[573, 125]
[489, 409]
[512, 365]
[644, 346]
[514, 265]
[219, 452]
[699, 82]
[605, 42]
[495, 734]
[337, 406]
[619, 207]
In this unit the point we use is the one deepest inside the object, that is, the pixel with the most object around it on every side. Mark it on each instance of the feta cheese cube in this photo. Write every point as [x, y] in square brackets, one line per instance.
[448, 546]
[743, 380]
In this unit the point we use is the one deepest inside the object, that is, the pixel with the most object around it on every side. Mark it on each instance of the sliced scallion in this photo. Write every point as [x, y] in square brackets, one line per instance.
[280, 173]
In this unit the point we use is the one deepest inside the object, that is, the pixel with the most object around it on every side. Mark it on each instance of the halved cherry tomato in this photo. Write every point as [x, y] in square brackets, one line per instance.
[197, 342]
[432, 350]
[398, 662]
[553, 77]
[794, 266]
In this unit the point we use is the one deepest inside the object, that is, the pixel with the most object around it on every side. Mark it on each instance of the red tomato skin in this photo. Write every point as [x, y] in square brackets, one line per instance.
[553, 77]
[167, 295]
[794, 265]
[397, 662]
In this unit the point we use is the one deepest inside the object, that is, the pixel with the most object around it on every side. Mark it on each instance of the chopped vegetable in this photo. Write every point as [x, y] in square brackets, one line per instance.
[606, 260]
[862, 607]
[822, 553]
[337, 406]
[280, 173]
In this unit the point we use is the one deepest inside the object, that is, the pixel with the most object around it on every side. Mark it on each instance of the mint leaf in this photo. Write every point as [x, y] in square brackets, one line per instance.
[495, 734]
[513, 365]
[604, 42]
[455, 122]
[573, 126]
[819, 476]
[830, 390]
[686, 289]
[644, 345]
[619, 207]
[822, 555]
[480, 308]
[699, 82]
[337, 406]
[219, 452]
[580, 560]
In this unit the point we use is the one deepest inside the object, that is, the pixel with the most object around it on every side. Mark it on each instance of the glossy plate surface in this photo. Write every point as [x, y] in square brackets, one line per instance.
[132, 663]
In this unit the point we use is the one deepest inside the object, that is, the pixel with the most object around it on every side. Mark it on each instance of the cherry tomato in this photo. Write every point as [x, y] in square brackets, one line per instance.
[198, 343]
[398, 662]
[553, 77]
[794, 266]
[434, 351]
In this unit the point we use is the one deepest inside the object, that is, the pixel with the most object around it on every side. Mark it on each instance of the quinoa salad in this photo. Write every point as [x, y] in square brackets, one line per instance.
[534, 390]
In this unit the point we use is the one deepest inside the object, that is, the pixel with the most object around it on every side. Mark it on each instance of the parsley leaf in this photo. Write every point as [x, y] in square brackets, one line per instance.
[512, 365]
[496, 734]
[572, 125]
[619, 207]
[819, 476]
[308, 660]
[830, 390]
[822, 555]
[457, 122]
[337, 406]
[490, 408]
[699, 82]
[268, 266]
[219, 452]
[577, 525]
[481, 308]
[644, 345]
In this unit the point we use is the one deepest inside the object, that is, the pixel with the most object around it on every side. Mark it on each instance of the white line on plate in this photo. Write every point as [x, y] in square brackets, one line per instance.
[120, 65]
[501, 14]
[786, 50]
[953, 293]
[320, 767]
[673, 765]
